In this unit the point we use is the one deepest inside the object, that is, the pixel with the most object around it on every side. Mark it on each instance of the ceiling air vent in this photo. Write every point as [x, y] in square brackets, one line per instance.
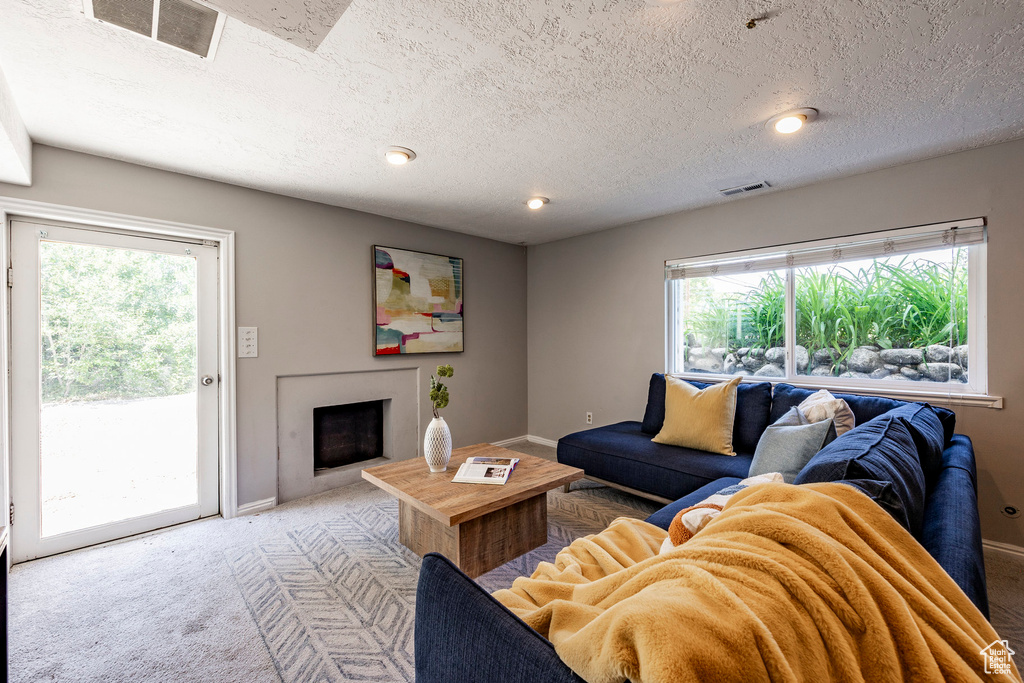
[184, 24]
[747, 187]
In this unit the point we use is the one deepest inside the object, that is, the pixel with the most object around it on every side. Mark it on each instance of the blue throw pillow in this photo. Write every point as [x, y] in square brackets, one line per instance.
[881, 450]
[928, 433]
[753, 405]
[786, 448]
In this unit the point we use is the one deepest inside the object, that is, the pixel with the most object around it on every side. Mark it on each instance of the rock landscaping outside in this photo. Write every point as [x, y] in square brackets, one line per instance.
[934, 363]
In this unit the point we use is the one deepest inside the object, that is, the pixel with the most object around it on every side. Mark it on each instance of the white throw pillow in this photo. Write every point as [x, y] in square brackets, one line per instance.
[821, 405]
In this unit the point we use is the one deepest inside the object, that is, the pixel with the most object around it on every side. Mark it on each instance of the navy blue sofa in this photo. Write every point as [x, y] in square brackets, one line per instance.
[463, 634]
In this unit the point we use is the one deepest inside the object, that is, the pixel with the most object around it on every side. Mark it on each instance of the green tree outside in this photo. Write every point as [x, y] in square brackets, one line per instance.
[116, 323]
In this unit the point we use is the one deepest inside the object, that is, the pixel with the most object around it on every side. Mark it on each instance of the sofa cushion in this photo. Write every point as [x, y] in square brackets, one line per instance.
[753, 405]
[654, 413]
[623, 454]
[884, 494]
[699, 418]
[880, 450]
[865, 408]
[948, 419]
[928, 433]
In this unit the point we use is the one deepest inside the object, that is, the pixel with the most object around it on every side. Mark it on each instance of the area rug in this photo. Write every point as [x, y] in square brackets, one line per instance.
[335, 600]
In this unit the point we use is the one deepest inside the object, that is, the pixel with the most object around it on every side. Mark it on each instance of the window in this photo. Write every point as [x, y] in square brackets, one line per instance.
[877, 310]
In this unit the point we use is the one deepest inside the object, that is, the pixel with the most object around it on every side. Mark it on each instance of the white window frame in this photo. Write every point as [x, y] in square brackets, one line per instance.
[973, 393]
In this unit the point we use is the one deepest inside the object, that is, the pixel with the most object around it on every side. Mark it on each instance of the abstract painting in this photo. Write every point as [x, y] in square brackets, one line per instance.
[418, 302]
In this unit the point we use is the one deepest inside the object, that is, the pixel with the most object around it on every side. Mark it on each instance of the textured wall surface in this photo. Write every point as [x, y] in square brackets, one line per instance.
[304, 276]
[597, 303]
[615, 109]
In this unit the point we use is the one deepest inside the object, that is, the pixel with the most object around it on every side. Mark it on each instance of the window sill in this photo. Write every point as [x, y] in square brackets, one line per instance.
[950, 398]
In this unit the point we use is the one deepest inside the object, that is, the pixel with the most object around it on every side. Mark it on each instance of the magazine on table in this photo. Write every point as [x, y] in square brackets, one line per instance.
[484, 473]
[482, 460]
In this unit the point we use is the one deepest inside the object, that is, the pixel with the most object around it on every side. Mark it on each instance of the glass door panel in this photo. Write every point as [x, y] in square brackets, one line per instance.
[118, 345]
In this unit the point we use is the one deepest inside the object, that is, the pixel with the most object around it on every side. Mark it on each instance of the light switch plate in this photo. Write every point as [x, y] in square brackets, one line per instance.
[248, 346]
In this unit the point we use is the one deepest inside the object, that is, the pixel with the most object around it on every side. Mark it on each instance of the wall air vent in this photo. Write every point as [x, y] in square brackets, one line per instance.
[184, 24]
[746, 187]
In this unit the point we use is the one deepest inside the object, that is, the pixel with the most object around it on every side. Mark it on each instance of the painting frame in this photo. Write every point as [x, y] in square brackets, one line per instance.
[418, 302]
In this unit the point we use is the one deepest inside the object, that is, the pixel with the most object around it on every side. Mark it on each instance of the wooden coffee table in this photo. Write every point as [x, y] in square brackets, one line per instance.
[476, 526]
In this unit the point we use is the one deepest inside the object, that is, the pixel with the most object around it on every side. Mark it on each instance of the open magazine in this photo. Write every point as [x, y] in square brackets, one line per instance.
[485, 470]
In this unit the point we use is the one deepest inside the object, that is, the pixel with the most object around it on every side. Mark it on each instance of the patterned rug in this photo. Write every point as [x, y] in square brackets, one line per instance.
[334, 601]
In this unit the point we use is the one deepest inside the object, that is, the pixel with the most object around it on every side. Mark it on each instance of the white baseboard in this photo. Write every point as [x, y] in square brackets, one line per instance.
[1003, 547]
[506, 442]
[257, 506]
[526, 437]
[542, 441]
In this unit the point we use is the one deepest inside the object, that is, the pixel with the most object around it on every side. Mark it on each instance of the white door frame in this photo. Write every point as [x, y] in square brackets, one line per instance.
[28, 457]
[225, 239]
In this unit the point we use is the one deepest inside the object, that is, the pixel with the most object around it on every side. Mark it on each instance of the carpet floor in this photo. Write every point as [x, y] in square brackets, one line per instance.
[314, 590]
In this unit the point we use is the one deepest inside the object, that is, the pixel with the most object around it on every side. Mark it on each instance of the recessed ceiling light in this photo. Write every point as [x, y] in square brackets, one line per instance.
[790, 124]
[536, 202]
[792, 121]
[397, 156]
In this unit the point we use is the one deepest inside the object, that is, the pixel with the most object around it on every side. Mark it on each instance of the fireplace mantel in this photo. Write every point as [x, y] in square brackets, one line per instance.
[298, 395]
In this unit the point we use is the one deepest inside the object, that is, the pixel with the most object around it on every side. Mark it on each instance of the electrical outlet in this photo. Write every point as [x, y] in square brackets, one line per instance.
[590, 418]
[248, 346]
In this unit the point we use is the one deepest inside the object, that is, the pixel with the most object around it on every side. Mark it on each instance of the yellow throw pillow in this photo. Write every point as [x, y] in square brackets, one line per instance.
[699, 418]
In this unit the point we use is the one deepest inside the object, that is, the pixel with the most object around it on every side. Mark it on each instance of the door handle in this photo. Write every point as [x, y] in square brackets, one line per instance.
[206, 380]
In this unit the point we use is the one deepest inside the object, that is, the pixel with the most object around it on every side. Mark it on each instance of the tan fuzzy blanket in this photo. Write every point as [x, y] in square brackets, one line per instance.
[790, 583]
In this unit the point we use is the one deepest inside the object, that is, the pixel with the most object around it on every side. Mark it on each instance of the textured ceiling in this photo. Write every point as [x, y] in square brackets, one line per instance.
[304, 23]
[615, 109]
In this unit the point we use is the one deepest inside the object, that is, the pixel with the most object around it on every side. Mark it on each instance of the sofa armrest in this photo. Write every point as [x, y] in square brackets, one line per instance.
[952, 528]
[463, 634]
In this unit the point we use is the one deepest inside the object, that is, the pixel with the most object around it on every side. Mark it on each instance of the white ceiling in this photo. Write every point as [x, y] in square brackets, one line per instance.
[617, 110]
[301, 22]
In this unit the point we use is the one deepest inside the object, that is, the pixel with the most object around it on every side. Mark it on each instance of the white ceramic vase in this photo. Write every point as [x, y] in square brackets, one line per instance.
[437, 445]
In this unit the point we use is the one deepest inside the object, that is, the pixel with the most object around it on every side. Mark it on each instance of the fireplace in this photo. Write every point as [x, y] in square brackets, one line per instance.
[298, 396]
[346, 434]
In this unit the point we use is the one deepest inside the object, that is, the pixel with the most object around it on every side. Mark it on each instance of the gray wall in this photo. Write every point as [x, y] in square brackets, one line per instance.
[304, 277]
[596, 302]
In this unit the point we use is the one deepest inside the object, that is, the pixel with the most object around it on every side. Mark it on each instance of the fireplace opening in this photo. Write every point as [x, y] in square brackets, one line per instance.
[347, 434]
